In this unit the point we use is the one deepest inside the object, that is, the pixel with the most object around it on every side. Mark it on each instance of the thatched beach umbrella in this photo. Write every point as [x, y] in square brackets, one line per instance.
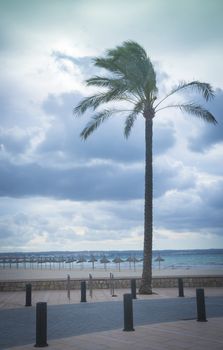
[73, 260]
[59, 260]
[69, 260]
[17, 263]
[5, 261]
[62, 260]
[47, 259]
[51, 261]
[24, 259]
[81, 260]
[41, 261]
[130, 260]
[134, 260]
[8, 261]
[92, 260]
[32, 260]
[55, 260]
[13, 261]
[104, 261]
[19, 260]
[159, 259]
[118, 261]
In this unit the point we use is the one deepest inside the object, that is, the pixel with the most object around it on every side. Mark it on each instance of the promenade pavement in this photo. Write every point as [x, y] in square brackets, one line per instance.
[161, 321]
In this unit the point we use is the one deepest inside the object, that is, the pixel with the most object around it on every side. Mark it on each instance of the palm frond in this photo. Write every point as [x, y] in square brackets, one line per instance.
[95, 122]
[131, 118]
[129, 122]
[100, 81]
[94, 101]
[110, 83]
[204, 88]
[194, 109]
[88, 102]
[198, 111]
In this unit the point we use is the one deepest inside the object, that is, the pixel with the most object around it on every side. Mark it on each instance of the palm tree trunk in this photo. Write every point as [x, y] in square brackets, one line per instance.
[146, 284]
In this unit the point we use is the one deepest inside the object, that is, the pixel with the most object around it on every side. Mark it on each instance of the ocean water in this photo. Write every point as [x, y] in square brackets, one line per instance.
[183, 259]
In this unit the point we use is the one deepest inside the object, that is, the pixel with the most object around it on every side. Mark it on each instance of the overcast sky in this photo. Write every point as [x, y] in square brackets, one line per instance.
[60, 193]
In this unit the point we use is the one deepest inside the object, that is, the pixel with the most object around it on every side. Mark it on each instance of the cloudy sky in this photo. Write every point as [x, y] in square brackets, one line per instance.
[60, 193]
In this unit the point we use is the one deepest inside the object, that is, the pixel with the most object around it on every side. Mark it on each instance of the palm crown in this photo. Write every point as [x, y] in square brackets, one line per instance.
[131, 78]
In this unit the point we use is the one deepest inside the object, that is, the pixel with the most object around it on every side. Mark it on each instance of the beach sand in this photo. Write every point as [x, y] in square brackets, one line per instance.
[36, 274]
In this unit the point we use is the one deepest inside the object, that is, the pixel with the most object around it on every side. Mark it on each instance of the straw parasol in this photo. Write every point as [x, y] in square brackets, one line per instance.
[70, 260]
[81, 260]
[118, 261]
[134, 260]
[159, 259]
[130, 259]
[104, 261]
[92, 260]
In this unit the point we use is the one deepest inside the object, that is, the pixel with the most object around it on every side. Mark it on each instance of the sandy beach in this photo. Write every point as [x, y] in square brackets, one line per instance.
[34, 274]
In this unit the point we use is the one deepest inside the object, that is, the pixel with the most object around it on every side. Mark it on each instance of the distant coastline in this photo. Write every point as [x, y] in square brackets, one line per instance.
[118, 251]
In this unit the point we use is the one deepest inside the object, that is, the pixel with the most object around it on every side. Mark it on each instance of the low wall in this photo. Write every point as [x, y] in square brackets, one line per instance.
[104, 283]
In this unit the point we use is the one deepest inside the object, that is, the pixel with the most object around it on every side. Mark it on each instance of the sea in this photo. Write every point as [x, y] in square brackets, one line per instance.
[165, 259]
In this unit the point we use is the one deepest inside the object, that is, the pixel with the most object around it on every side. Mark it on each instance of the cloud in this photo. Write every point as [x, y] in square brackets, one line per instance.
[170, 174]
[16, 140]
[72, 224]
[97, 182]
[211, 195]
[83, 64]
[197, 210]
[69, 224]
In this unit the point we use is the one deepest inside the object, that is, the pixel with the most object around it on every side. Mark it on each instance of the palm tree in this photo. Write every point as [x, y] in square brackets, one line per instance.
[131, 79]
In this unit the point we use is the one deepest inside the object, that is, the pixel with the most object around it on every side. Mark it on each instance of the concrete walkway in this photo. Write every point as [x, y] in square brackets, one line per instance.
[181, 335]
[161, 321]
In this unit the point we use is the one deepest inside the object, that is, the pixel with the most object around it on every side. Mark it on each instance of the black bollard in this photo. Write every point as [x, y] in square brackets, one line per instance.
[133, 288]
[28, 295]
[83, 292]
[181, 287]
[201, 313]
[41, 325]
[128, 313]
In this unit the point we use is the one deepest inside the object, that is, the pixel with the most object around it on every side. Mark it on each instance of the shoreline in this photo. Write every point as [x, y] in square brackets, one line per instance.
[14, 274]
